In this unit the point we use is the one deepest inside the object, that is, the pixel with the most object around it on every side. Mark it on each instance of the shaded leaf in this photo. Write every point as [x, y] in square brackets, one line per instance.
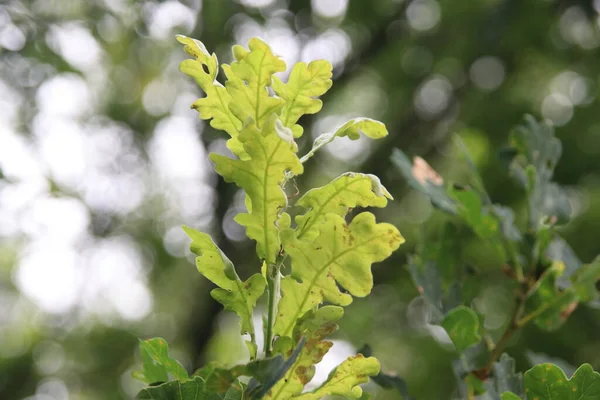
[306, 82]
[261, 177]
[314, 326]
[270, 371]
[462, 325]
[560, 250]
[506, 217]
[347, 191]
[387, 381]
[505, 377]
[585, 281]
[471, 210]
[344, 380]
[509, 396]
[535, 151]
[235, 295]
[352, 129]
[177, 390]
[548, 382]
[422, 177]
[342, 253]
[156, 363]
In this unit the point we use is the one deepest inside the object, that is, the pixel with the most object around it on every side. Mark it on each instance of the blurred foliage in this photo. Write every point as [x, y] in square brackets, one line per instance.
[101, 161]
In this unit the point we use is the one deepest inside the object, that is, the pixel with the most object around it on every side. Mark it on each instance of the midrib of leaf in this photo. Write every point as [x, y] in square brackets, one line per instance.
[321, 206]
[315, 278]
[266, 200]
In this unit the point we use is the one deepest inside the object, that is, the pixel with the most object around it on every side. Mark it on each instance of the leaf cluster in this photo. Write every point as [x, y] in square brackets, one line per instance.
[321, 256]
[548, 282]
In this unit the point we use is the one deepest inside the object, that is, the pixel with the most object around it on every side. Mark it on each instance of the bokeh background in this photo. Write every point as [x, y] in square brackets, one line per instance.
[101, 161]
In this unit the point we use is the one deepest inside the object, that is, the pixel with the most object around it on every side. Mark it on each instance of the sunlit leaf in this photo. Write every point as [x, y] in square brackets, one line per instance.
[305, 84]
[247, 80]
[346, 191]
[344, 380]
[261, 177]
[462, 325]
[425, 179]
[215, 106]
[342, 253]
[235, 295]
[156, 363]
[352, 129]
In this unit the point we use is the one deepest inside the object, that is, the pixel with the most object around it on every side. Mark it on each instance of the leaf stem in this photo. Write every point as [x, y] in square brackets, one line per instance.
[274, 289]
[513, 326]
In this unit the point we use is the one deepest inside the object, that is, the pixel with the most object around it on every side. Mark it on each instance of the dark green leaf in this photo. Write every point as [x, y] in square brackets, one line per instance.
[509, 396]
[479, 218]
[156, 363]
[269, 371]
[462, 325]
[548, 382]
[535, 152]
[177, 390]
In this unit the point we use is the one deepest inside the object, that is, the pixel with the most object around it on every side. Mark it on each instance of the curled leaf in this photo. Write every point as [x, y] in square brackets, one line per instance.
[347, 191]
[352, 129]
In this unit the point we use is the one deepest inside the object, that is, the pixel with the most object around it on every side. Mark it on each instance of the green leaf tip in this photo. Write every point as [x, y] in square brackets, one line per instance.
[235, 295]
